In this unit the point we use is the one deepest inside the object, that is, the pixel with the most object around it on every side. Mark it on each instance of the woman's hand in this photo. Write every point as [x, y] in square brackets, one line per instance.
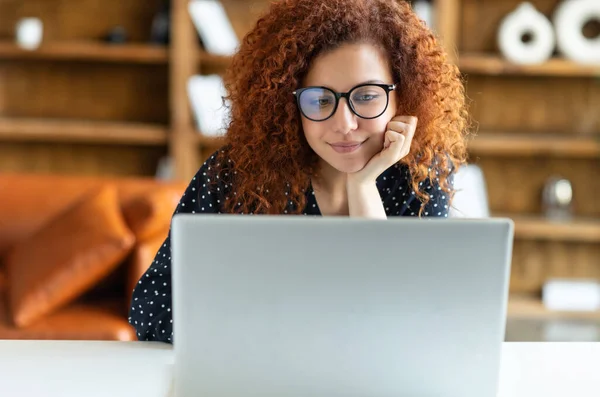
[398, 138]
[364, 200]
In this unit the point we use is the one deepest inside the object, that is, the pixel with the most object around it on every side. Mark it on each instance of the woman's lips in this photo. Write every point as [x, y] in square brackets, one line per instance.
[346, 147]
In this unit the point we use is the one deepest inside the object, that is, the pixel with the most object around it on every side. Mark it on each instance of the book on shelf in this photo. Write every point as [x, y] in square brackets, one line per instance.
[213, 26]
[211, 112]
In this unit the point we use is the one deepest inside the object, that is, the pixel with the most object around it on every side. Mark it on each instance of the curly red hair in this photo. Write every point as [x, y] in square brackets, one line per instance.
[269, 159]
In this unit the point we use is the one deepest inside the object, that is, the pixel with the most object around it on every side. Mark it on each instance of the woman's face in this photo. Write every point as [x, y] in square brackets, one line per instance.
[345, 141]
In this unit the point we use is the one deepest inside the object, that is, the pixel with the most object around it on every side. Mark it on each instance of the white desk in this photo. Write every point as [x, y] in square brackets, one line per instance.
[84, 369]
[90, 369]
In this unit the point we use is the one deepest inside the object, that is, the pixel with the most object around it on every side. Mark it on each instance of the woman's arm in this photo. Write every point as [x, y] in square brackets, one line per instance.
[150, 312]
[364, 200]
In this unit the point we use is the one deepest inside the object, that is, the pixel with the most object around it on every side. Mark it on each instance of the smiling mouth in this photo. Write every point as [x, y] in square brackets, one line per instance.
[346, 147]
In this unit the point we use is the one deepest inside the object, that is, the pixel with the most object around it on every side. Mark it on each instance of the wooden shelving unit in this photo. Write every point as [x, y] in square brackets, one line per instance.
[77, 104]
[535, 227]
[532, 308]
[210, 141]
[74, 131]
[190, 58]
[533, 122]
[539, 144]
[87, 51]
[494, 65]
[214, 61]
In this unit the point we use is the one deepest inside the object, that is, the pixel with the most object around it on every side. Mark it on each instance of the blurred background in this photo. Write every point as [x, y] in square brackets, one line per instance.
[125, 95]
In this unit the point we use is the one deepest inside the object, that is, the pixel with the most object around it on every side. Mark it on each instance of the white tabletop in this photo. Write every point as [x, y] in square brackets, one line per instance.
[90, 369]
[65, 368]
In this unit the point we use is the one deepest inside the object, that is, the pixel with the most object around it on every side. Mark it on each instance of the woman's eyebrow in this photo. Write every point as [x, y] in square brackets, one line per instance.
[373, 82]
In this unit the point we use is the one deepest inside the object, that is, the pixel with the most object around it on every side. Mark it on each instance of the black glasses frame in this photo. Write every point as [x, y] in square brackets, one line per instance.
[386, 87]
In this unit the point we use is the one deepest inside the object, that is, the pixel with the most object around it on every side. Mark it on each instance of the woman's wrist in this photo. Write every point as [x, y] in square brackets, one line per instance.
[364, 200]
[358, 181]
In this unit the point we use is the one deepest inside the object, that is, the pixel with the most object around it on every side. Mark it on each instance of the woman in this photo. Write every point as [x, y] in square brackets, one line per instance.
[342, 107]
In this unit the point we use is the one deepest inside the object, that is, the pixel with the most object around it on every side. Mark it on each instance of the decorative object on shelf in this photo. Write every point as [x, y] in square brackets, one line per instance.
[213, 26]
[526, 36]
[161, 25]
[569, 18]
[424, 9]
[206, 94]
[571, 295]
[558, 198]
[29, 33]
[117, 35]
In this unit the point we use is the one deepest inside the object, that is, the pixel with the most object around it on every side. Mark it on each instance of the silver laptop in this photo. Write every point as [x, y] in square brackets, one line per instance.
[269, 306]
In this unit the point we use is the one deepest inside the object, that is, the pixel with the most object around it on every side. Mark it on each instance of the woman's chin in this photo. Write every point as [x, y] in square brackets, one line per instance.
[346, 163]
[349, 167]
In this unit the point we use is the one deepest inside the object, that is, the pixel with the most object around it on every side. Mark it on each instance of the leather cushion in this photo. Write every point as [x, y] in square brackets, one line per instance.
[28, 201]
[141, 259]
[67, 256]
[150, 213]
[77, 322]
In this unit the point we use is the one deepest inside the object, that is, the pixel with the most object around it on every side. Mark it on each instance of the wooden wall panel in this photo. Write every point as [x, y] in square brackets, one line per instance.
[536, 261]
[516, 184]
[81, 19]
[79, 159]
[538, 104]
[84, 90]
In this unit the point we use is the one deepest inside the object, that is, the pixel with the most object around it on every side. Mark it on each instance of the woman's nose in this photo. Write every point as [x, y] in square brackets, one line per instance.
[345, 120]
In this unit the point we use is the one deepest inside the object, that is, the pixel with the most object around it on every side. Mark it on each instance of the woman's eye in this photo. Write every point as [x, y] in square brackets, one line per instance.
[322, 102]
[365, 97]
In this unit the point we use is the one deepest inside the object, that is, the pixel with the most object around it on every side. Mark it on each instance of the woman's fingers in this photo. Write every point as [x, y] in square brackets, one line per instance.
[396, 142]
[404, 126]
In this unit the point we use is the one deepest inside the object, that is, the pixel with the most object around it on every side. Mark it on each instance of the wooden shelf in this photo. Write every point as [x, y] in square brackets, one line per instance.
[532, 308]
[516, 144]
[88, 51]
[216, 61]
[531, 227]
[81, 131]
[491, 64]
[209, 141]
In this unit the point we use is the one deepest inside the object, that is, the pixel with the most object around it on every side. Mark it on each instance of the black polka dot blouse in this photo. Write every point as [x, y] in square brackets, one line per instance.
[150, 311]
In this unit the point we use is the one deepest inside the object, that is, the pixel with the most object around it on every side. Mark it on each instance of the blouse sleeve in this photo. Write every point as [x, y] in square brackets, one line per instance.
[150, 312]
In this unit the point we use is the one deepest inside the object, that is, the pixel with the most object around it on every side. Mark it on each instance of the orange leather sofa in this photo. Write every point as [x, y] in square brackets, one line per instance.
[72, 249]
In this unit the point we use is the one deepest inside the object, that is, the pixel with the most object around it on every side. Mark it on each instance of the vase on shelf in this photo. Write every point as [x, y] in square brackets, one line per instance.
[161, 25]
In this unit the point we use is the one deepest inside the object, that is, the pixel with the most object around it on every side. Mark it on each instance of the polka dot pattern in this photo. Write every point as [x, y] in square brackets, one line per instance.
[150, 311]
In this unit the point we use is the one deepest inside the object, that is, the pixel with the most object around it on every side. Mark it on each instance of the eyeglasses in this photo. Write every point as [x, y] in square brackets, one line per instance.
[367, 101]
